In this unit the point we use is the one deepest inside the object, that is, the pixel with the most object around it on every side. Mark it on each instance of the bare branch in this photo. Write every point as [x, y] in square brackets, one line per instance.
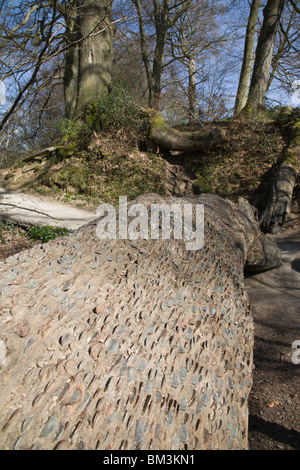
[295, 6]
[10, 204]
[31, 81]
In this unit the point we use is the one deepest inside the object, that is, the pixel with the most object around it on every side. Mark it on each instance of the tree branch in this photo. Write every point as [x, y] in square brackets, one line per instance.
[295, 6]
[10, 204]
[34, 74]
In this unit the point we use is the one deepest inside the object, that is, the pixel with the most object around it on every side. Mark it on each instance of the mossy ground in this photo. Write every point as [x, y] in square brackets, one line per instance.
[105, 170]
[103, 177]
[244, 165]
[110, 166]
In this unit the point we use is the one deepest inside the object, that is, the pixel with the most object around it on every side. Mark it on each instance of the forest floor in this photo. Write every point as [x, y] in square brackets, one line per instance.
[274, 405]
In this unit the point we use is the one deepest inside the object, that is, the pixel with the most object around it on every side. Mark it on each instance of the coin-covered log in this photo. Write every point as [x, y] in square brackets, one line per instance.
[129, 344]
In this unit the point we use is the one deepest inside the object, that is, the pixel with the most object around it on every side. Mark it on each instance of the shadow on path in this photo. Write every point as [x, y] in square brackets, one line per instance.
[274, 431]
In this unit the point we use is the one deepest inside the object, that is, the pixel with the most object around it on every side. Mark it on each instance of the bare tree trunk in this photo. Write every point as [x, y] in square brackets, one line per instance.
[192, 93]
[88, 62]
[264, 54]
[284, 45]
[245, 76]
[161, 18]
[144, 51]
[95, 51]
[71, 68]
[163, 21]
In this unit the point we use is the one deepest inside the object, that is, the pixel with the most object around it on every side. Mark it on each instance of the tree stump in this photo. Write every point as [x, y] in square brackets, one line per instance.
[278, 206]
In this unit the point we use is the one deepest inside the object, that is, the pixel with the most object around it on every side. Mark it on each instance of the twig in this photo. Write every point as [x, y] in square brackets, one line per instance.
[29, 209]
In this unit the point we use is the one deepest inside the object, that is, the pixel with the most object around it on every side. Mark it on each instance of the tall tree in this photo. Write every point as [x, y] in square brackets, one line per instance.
[75, 34]
[285, 63]
[192, 42]
[263, 58]
[245, 75]
[164, 14]
[71, 66]
[88, 64]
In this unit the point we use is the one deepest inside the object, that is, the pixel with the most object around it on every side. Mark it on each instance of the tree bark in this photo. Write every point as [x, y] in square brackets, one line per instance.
[165, 136]
[263, 59]
[144, 51]
[162, 24]
[192, 92]
[245, 76]
[279, 204]
[71, 68]
[88, 61]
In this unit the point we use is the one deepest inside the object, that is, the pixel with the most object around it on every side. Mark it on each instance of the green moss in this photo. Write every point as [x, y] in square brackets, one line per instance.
[296, 127]
[247, 111]
[66, 151]
[291, 158]
[76, 177]
[205, 182]
[131, 177]
[8, 176]
[296, 134]
[105, 168]
[19, 164]
[157, 121]
[46, 232]
[92, 117]
[292, 155]
[103, 178]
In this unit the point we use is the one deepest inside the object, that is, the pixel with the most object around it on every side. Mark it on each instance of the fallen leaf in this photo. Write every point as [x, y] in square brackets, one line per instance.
[271, 404]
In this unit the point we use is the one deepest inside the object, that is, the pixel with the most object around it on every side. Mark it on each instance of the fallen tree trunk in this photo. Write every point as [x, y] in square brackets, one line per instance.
[169, 138]
[279, 204]
[113, 344]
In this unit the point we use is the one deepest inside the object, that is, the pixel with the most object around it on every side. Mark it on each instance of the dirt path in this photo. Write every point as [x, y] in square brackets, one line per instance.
[24, 209]
[275, 397]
